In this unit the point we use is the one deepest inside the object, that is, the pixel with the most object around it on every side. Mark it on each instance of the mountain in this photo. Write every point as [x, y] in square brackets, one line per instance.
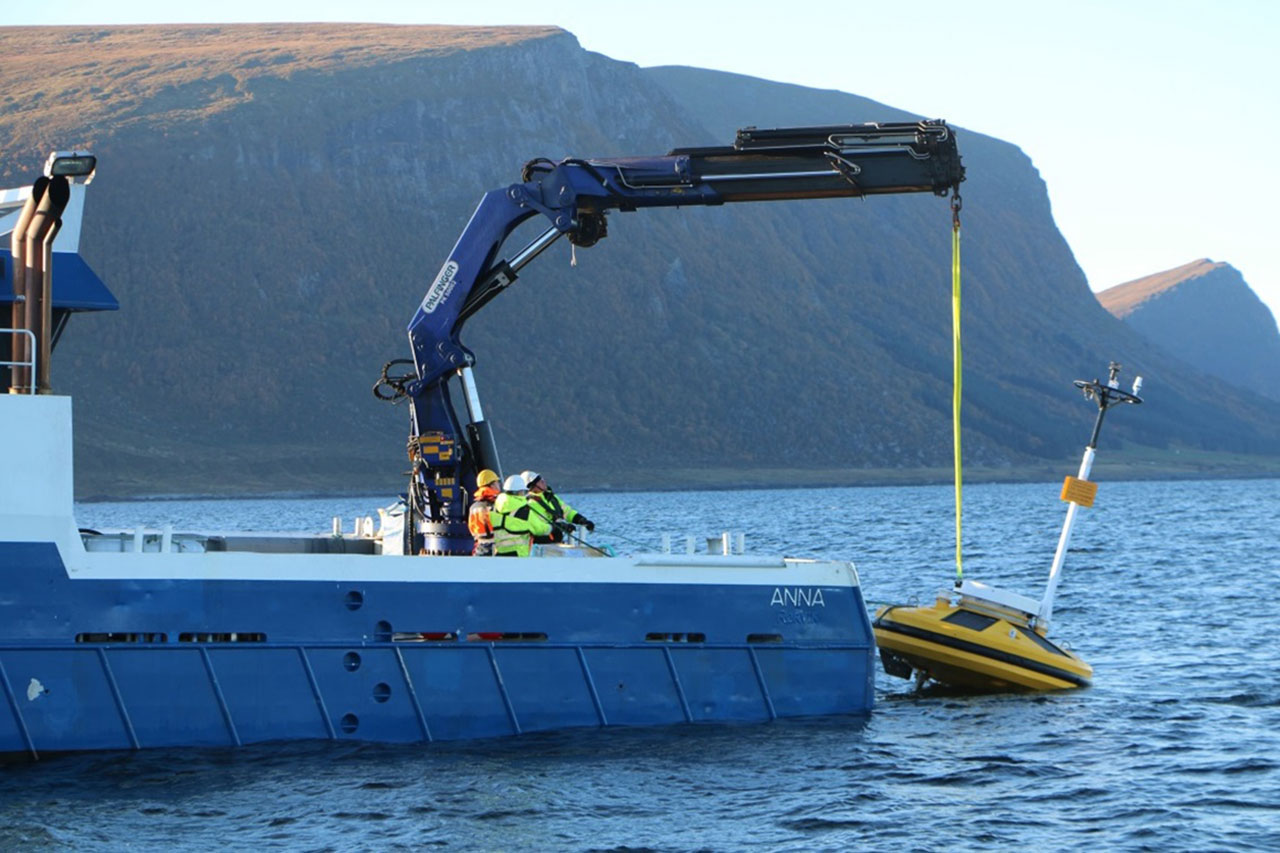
[272, 202]
[1207, 315]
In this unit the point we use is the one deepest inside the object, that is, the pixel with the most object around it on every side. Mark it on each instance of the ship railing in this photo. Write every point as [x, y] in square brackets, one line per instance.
[30, 363]
[726, 543]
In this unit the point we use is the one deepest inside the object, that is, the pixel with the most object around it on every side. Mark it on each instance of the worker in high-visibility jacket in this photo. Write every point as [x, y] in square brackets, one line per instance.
[478, 516]
[548, 504]
[515, 524]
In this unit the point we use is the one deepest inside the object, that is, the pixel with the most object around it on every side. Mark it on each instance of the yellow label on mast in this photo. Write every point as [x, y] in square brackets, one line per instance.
[1077, 491]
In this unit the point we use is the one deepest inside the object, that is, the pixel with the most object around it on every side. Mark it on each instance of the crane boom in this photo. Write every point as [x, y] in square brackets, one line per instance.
[574, 195]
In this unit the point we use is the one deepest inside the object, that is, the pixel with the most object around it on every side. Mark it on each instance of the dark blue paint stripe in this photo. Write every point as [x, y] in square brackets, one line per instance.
[502, 689]
[119, 699]
[764, 688]
[315, 692]
[591, 686]
[309, 644]
[17, 713]
[222, 701]
[413, 697]
[675, 679]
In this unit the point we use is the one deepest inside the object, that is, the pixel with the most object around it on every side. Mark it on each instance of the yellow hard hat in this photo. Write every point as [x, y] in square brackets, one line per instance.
[486, 477]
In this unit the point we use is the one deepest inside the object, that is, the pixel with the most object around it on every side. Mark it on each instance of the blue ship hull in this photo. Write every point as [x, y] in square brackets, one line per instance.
[159, 639]
[129, 663]
[128, 641]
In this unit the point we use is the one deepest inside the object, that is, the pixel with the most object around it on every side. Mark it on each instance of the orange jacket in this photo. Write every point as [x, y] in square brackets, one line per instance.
[478, 516]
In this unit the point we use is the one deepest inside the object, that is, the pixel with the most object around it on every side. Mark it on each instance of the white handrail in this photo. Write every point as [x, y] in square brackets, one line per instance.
[31, 363]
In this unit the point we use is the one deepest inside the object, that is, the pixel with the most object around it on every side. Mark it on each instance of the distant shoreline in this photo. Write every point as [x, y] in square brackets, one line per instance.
[1125, 467]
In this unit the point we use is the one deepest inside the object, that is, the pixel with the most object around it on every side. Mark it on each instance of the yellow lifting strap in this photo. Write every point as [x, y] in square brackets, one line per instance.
[956, 367]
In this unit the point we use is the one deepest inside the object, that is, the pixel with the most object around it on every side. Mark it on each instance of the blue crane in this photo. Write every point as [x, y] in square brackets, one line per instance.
[574, 195]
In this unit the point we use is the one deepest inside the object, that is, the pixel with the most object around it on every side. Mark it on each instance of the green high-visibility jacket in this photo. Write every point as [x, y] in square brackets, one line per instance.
[549, 506]
[515, 524]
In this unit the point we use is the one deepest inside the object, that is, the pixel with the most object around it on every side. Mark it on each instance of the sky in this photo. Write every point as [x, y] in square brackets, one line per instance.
[1152, 123]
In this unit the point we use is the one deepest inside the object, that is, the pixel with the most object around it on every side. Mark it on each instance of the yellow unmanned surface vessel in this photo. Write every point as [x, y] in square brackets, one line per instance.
[979, 637]
[968, 638]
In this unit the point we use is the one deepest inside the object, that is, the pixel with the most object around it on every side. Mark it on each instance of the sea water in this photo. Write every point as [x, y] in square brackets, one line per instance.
[1171, 592]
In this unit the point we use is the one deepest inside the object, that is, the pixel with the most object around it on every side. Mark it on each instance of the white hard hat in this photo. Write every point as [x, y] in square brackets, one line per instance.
[514, 483]
[530, 476]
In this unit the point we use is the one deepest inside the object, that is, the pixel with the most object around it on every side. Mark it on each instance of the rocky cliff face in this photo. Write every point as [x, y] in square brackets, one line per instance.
[273, 201]
[1206, 314]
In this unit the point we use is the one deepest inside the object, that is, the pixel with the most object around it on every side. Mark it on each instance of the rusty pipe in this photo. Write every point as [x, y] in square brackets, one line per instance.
[39, 249]
[20, 344]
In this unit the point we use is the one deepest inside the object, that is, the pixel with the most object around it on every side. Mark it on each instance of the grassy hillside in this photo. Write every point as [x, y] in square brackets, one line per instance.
[1206, 314]
[272, 203]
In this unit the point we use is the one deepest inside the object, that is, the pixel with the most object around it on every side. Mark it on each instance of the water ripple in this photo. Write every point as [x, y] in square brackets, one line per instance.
[1176, 746]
